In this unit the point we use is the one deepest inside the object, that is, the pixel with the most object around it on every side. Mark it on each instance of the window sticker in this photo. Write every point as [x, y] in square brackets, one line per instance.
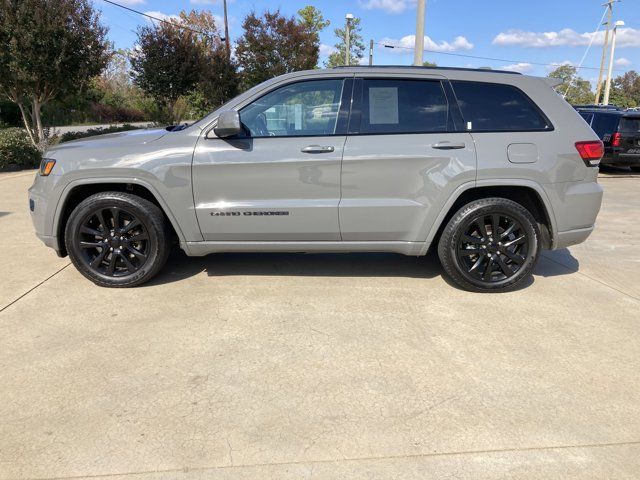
[383, 105]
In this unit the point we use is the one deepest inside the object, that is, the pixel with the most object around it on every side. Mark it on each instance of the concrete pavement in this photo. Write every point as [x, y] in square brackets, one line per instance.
[321, 366]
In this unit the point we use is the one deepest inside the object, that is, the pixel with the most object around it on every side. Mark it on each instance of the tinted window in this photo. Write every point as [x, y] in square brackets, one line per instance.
[630, 125]
[298, 109]
[403, 106]
[587, 117]
[604, 125]
[496, 107]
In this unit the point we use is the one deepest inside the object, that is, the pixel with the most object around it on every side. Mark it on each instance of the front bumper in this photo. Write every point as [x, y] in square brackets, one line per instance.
[42, 208]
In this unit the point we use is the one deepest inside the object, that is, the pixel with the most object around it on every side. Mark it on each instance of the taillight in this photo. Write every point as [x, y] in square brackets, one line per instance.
[591, 152]
[615, 139]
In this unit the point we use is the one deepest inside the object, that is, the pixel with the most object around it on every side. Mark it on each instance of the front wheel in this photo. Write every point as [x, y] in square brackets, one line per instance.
[490, 245]
[117, 239]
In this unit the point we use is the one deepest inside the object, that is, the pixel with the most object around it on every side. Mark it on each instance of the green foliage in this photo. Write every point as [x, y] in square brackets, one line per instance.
[314, 21]
[429, 64]
[625, 90]
[273, 45]
[356, 46]
[17, 150]
[575, 89]
[92, 132]
[49, 49]
[175, 64]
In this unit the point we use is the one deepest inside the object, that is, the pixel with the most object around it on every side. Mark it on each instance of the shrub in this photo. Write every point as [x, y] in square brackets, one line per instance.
[67, 137]
[16, 150]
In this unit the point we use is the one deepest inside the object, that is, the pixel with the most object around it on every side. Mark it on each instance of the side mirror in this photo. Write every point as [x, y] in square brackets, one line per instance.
[228, 124]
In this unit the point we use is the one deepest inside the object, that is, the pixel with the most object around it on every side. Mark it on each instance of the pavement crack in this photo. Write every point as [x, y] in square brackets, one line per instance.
[347, 459]
[33, 288]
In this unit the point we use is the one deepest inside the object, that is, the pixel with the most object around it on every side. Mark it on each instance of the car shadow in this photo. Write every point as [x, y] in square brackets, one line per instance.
[180, 266]
[556, 262]
[2, 214]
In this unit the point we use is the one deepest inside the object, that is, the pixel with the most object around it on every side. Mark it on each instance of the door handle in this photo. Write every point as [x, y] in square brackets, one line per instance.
[317, 149]
[448, 145]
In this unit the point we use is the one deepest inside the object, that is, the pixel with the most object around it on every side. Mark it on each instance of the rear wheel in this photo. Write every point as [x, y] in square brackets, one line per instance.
[117, 239]
[636, 168]
[490, 245]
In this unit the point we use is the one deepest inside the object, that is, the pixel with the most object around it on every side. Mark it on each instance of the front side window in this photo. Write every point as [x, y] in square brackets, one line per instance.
[403, 106]
[497, 107]
[300, 109]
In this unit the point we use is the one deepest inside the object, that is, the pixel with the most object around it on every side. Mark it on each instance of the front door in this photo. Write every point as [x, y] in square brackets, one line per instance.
[405, 155]
[280, 180]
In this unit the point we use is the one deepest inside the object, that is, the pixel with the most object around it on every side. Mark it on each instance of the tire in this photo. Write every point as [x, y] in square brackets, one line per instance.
[116, 239]
[635, 168]
[480, 263]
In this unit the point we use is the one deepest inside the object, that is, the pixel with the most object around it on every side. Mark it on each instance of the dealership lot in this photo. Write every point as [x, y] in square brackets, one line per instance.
[321, 366]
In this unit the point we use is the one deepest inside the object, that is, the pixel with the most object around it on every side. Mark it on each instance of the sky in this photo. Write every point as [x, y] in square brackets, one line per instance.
[527, 36]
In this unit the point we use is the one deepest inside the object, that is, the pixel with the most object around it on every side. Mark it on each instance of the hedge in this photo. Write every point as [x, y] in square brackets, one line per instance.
[16, 150]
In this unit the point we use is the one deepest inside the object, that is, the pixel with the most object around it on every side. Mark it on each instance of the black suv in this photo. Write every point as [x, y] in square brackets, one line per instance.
[619, 130]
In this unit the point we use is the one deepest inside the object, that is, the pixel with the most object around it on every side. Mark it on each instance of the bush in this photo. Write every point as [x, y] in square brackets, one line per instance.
[16, 150]
[110, 114]
[67, 137]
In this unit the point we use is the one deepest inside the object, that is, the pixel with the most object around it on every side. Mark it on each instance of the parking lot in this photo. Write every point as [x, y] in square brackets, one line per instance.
[347, 366]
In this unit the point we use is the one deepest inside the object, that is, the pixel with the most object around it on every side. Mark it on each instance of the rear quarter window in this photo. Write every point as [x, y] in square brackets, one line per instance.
[605, 124]
[498, 107]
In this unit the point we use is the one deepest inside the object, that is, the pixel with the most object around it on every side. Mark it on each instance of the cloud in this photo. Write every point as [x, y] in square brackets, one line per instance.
[162, 16]
[131, 3]
[627, 37]
[389, 6]
[326, 50]
[408, 42]
[521, 67]
[553, 65]
[622, 62]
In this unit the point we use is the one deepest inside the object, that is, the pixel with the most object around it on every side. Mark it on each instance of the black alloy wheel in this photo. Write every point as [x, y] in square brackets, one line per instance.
[490, 245]
[114, 242]
[117, 239]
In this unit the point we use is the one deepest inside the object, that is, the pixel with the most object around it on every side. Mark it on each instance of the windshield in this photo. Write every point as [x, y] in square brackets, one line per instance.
[630, 124]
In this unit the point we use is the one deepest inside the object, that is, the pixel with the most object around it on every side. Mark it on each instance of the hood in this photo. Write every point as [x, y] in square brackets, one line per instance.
[130, 137]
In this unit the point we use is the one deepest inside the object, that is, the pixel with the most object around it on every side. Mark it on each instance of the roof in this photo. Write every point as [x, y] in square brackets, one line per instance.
[417, 67]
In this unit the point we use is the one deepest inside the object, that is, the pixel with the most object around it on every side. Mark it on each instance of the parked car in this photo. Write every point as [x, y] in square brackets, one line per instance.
[619, 130]
[488, 167]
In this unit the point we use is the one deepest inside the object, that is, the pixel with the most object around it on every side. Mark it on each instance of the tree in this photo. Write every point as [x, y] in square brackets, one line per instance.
[218, 74]
[356, 46]
[429, 64]
[272, 45]
[315, 22]
[575, 89]
[48, 49]
[625, 90]
[166, 65]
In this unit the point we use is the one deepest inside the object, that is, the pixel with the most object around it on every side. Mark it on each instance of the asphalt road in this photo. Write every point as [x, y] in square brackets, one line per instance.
[346, 366]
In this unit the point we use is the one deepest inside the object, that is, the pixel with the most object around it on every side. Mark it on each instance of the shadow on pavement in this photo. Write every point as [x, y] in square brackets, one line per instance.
[556, 262]
[2, 214]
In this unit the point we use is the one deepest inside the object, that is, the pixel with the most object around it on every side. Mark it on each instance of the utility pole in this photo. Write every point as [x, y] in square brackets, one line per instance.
[418, 53]
[370, 52]
[226, 31]
[347, 39]
[607, 87]
[609, 6]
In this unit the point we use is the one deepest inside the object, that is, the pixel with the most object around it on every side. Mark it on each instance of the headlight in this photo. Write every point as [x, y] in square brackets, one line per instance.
[46, 165]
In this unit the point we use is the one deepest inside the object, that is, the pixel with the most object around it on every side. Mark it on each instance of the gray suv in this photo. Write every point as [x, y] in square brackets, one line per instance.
[488, 167]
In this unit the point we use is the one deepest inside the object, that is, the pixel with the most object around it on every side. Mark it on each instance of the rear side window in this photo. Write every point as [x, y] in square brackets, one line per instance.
[403, 106]
[587, 117]
[497, 107]
[630, 125]
[604, 125]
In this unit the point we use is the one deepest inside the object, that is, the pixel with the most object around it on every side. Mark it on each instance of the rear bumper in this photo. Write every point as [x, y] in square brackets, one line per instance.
[571, 237]
[621, 159]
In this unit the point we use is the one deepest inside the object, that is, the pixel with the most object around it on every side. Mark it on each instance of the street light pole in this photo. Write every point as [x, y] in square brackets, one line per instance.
[347, 35]
[607, 87]
[371, 52]
[418, 53]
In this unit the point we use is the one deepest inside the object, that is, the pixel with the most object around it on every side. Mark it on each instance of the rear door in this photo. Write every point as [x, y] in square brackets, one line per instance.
[405, 154]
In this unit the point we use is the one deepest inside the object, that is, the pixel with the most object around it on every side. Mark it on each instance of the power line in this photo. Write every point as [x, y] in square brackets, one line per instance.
[177, 25]
[481, 58]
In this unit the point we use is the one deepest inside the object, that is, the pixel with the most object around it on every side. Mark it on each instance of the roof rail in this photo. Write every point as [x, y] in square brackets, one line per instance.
[487, 70]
